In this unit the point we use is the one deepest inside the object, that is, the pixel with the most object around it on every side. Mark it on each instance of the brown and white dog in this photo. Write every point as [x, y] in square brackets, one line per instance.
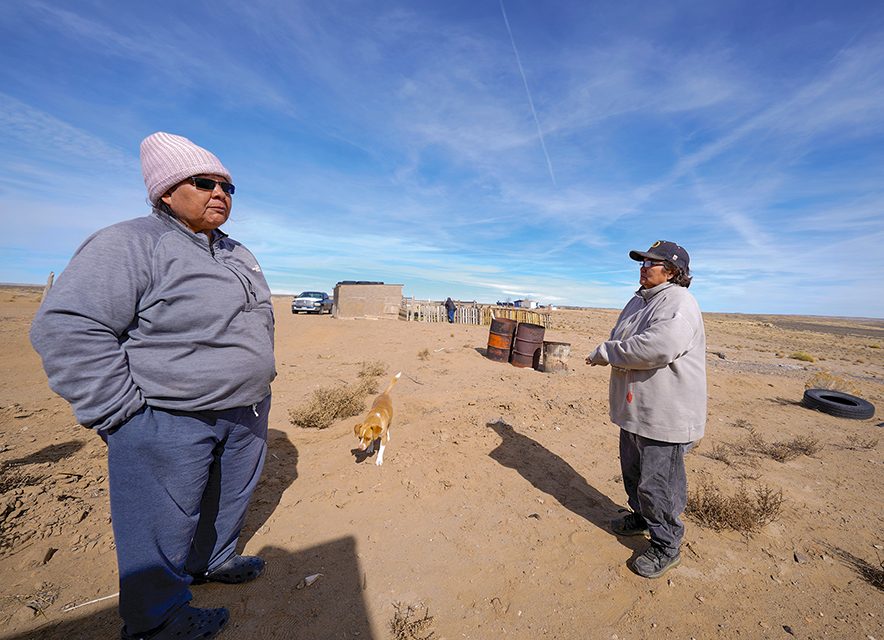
[377, 423]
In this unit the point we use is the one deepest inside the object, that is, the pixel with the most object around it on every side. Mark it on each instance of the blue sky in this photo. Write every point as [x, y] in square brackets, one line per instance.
[483, 150]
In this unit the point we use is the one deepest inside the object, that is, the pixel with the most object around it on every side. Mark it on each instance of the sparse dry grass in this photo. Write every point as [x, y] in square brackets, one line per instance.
[784, 450]
[741, 423]
[858, 443]
[803, 356]
[732, 453]
[744, 512]
[828, 380]
[13, 477]
[424, 354]
[720, 452]
[407, 623]
[372, 369]
[872, 574]
[44, 595]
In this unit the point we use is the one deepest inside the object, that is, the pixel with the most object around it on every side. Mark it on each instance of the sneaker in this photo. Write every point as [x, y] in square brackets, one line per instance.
[654, 562]
[632, 524]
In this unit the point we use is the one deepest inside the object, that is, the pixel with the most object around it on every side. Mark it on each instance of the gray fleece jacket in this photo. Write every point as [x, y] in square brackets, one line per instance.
[148, 312]
[657, 352]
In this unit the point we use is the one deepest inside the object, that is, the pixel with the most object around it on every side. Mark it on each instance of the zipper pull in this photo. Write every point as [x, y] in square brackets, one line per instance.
[255, 409]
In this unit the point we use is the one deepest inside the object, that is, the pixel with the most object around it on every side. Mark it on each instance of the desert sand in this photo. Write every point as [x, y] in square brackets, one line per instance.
[490, 512]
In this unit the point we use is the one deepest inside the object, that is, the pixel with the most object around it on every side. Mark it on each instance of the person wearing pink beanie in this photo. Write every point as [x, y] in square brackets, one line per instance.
[159, 332]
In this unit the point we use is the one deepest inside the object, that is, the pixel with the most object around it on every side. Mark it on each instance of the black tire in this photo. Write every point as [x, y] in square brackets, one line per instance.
[836, 403]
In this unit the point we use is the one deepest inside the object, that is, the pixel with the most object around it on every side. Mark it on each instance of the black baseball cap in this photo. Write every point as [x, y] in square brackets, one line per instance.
[665, 250]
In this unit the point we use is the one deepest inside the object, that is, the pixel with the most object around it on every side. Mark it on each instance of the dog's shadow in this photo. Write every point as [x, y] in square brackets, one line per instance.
[361, 456]
[551, 474]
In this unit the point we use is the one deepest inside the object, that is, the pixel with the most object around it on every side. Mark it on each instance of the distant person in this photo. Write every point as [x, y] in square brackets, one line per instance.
[160, 335]
[657, 353]
[450, 307]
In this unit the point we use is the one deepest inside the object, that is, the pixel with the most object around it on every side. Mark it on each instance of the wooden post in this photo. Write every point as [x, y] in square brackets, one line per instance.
[48, 286]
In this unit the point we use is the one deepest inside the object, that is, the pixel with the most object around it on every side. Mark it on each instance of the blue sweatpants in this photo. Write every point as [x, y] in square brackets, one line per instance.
[656, 486]
[180, 483]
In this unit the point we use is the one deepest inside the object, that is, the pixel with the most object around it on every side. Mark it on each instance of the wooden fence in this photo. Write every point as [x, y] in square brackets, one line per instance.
[543, 318]
[431, 311]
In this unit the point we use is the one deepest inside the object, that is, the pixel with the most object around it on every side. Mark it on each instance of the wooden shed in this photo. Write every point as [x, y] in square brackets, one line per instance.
[363, 299]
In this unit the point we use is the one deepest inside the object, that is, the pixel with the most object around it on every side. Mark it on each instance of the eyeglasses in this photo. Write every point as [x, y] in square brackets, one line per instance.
[207, 184]
[647, 264]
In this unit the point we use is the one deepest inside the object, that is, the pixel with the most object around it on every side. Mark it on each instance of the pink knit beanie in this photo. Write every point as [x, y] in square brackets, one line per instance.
[167, 159]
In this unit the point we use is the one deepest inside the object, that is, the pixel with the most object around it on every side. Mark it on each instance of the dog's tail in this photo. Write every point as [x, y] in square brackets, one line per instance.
[393, 382]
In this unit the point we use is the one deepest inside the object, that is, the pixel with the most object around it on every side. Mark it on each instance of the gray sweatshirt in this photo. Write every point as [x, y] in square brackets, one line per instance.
[148, 312]
[657, 352]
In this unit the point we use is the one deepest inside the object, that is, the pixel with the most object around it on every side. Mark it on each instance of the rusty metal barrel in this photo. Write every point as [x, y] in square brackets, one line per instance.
[500, 339]
[555, 356]
[527, 345]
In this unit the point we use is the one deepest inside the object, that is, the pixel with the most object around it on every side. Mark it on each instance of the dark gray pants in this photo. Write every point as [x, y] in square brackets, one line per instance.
[180, 483]
[656, 485]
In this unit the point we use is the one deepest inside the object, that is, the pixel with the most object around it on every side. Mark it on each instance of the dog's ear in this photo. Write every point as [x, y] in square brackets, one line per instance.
[376, 431]
[357, 429]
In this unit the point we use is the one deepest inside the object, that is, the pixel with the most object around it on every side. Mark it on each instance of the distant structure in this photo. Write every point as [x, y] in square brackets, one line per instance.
[367, 299]
[525, 304]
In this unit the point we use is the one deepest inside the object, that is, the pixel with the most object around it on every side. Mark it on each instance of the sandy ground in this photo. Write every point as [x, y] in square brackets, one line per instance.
[490, 510]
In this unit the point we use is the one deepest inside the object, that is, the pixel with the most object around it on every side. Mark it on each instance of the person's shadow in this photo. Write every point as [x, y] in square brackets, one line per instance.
[52, 453]
[277, 605]
[552, 475]
[280, 471]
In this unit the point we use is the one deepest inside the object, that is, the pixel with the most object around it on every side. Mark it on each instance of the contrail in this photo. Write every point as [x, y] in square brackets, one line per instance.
[528, 93]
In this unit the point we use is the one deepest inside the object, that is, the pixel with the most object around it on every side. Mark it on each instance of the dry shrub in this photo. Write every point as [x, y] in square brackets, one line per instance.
[743, 512]
[407, 623]
[741, 423]
[784, 450]
[424, 354]
[828, 380]
[328, 404]
[803, 356]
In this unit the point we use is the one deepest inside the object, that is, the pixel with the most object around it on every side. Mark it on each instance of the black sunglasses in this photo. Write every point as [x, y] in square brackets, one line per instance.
[207, 184]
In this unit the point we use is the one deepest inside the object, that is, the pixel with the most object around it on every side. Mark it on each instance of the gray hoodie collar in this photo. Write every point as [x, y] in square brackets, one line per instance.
[647, 294]
[175, 223]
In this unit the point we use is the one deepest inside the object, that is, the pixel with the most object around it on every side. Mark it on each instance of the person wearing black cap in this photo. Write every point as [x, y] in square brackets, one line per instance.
[657, 394]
